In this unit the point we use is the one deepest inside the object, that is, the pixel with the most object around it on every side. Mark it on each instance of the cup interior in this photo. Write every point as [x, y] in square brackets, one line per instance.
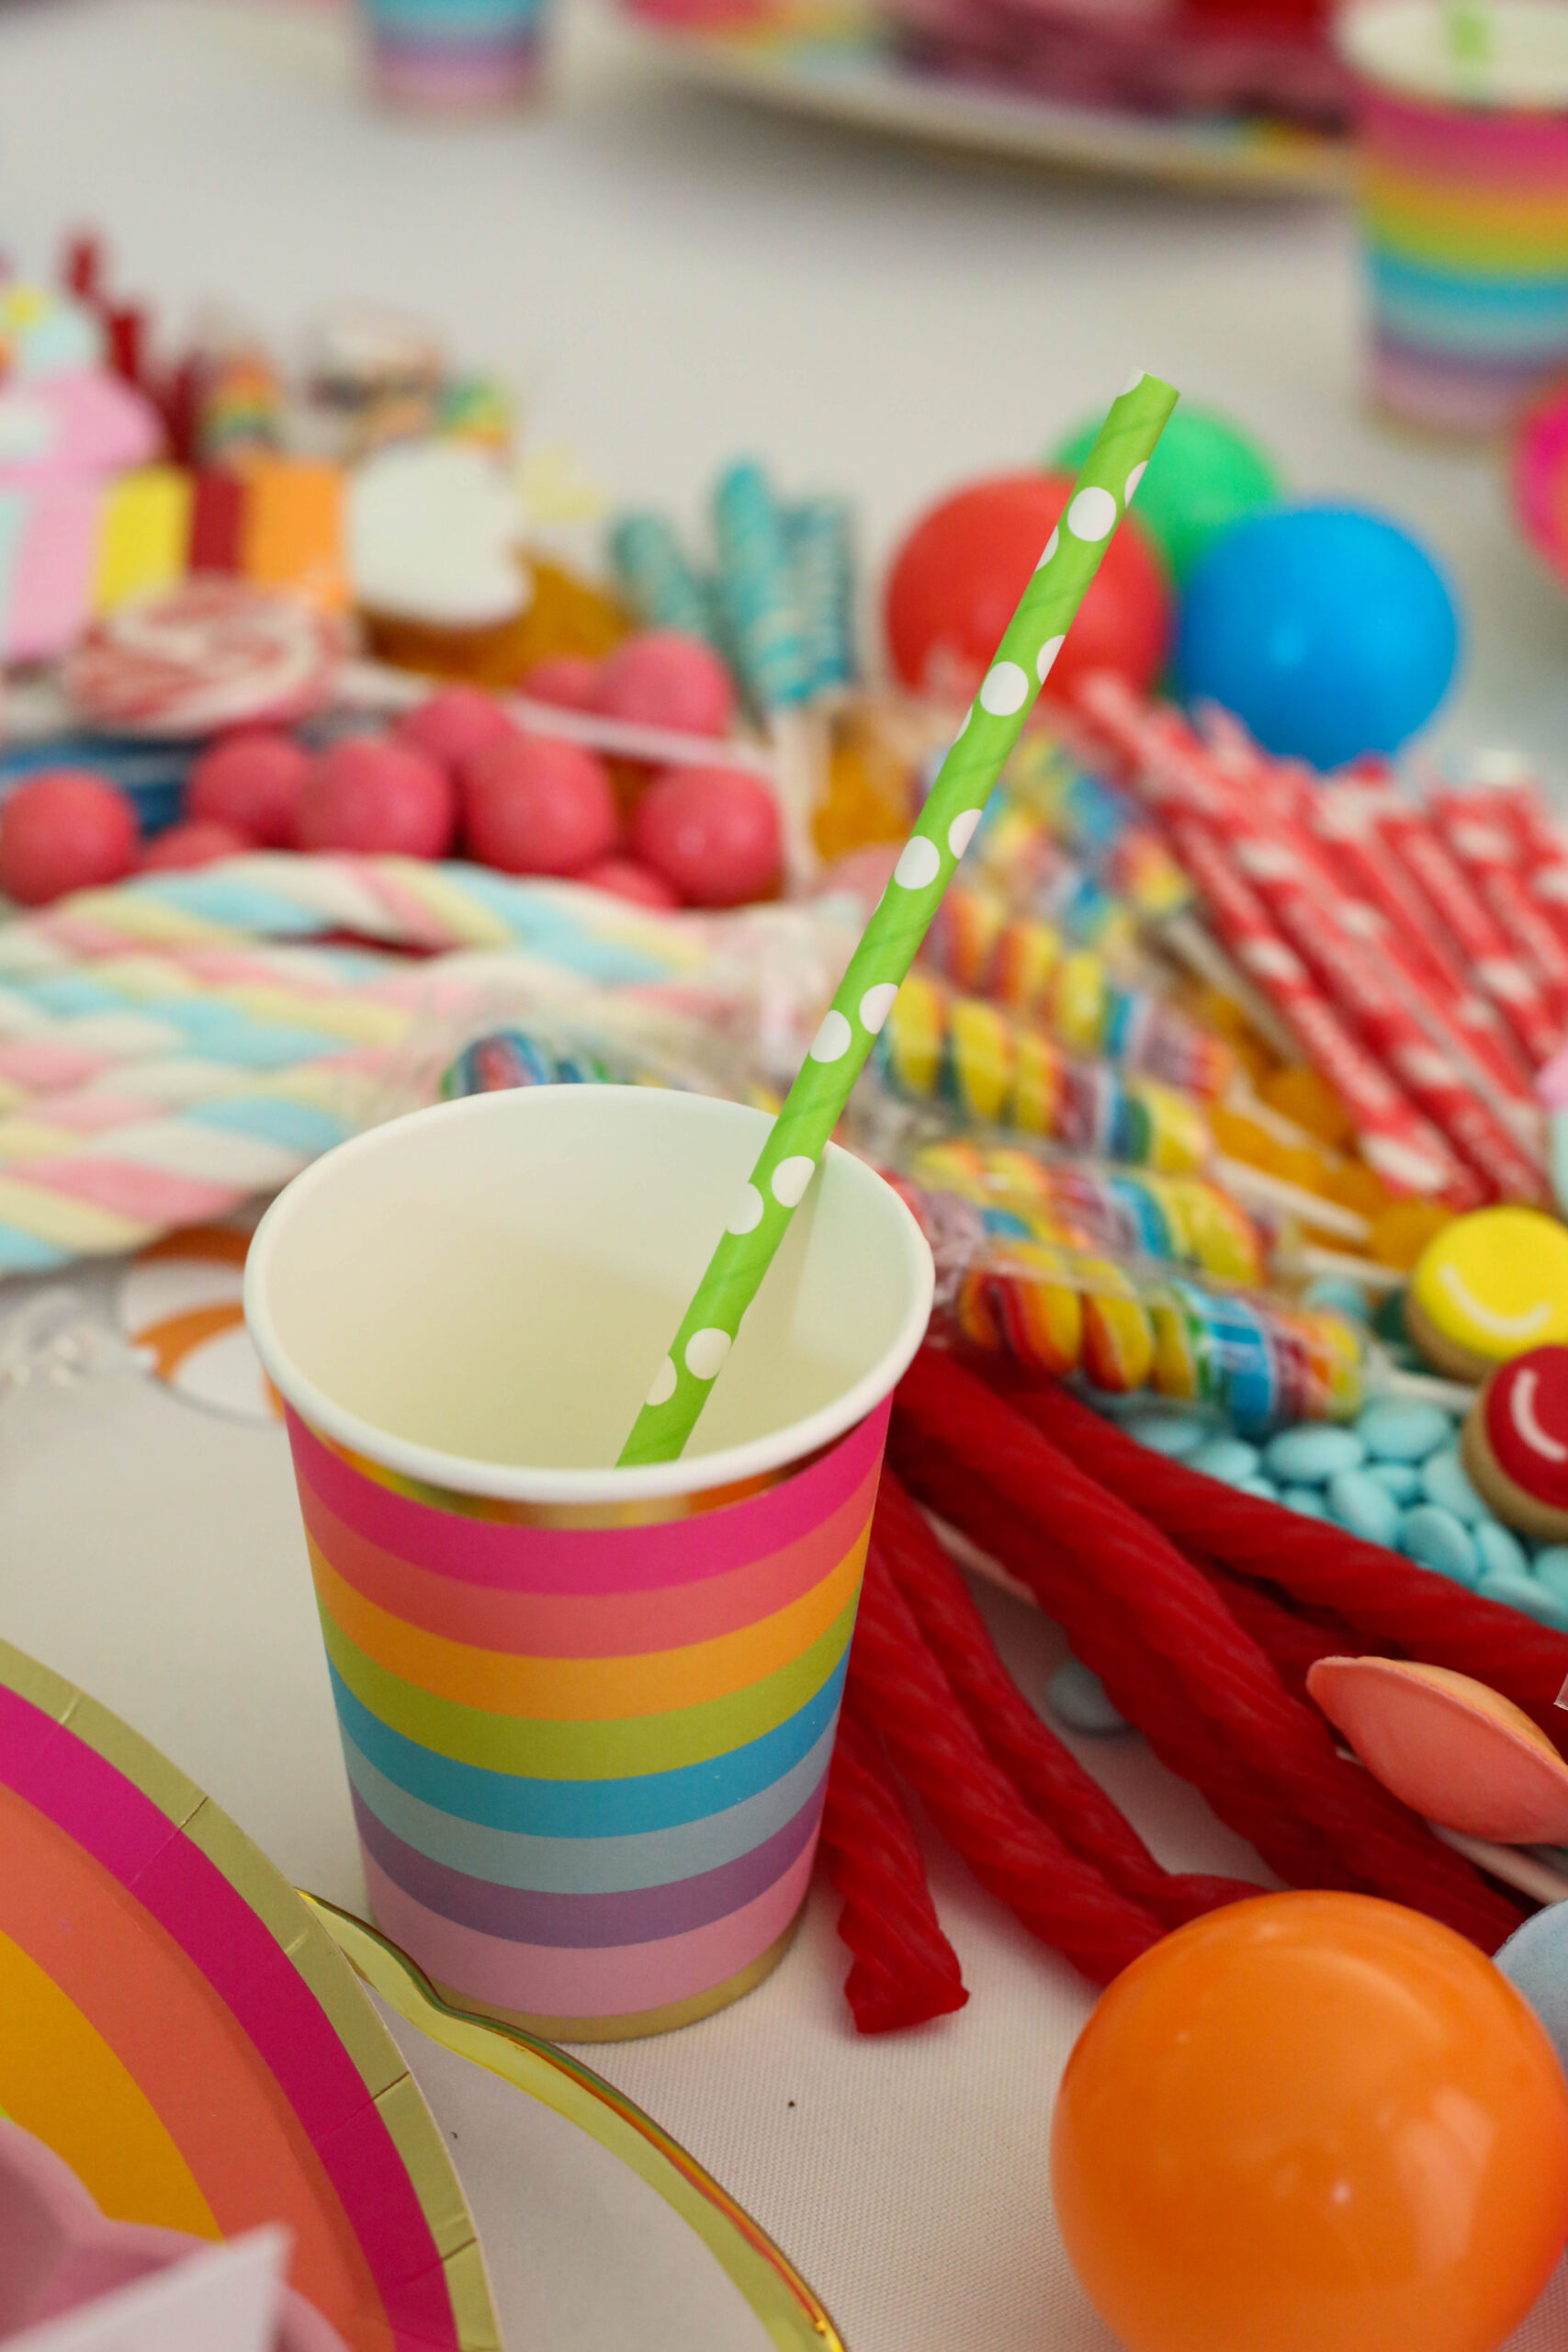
[480, 1294]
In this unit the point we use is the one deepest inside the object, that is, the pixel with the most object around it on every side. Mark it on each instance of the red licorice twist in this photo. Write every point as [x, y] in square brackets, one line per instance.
[1221, 1671]
[1140, 1687]
[905, 1972]
[1294, 1643]
[1045, 1772]
[899, 1686]
[1389, 1597]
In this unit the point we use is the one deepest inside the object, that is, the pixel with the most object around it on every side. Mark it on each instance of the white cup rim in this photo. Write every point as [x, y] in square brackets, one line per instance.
[499, 1482]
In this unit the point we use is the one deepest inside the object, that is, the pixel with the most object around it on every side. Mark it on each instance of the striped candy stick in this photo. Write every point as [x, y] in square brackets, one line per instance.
[816, 1101]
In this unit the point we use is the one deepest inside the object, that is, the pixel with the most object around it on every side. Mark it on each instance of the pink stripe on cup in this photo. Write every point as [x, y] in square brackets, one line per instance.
[1491, 147]
[543, 1980]
[619, 1624]
[519, 1559]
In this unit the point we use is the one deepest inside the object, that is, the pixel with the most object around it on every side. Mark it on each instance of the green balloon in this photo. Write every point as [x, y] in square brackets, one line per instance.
[1206, 474]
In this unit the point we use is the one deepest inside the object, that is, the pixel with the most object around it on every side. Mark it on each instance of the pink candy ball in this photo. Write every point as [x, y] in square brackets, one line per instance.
[251, 781]
[64, 829]
[570, 681]
[201, 842]
[378, 796]
[454, 725]
[713, 832]
[666, 679]
[537, 806]
[625, 878]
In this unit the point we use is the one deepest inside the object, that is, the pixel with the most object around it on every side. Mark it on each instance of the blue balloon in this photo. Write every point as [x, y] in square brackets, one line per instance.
[1329, 632]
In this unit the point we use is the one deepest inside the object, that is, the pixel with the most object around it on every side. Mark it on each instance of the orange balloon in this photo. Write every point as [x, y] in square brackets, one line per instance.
[1312, 2123]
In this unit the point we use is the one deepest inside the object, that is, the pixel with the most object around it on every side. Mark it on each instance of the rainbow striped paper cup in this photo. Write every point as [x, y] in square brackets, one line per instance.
[454, 56]
[1463, 123]
[586, 1711]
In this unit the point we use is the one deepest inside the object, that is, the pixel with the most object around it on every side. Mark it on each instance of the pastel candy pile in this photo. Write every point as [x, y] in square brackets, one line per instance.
[174, 1046]
[1394, 1476]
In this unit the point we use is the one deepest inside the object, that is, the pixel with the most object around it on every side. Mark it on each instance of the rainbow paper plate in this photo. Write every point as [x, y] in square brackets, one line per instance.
[178, 2025]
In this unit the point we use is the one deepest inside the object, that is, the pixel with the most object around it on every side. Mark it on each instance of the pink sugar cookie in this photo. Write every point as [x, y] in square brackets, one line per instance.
[1447, 1747]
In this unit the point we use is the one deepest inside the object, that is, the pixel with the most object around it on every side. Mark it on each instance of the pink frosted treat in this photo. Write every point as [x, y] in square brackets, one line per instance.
[201, 841]
[570, 681]
[66, 829]
[536, 807]
[624, 878]
[713, 832]
[251, 782]
[664, 678]
[376, 796]
[456, 724]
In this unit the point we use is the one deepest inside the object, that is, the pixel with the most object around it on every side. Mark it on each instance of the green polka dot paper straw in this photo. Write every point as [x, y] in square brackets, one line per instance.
[816, 1101]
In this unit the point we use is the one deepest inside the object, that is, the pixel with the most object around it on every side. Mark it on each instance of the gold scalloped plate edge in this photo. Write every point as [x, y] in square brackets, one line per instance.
[792, 2312]
[295, 1928]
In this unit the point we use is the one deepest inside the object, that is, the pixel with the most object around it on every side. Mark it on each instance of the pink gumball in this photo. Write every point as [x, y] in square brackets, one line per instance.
[201, 842]
[66, 829]
[713, 832]
[251, 781]
[666, 679]
[625, 878]
[454, 725]
[569, 681]
[377, 797]
[538, 806]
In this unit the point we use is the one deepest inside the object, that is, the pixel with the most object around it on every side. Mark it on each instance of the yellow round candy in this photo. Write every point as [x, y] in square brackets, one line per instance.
[1489, 1286]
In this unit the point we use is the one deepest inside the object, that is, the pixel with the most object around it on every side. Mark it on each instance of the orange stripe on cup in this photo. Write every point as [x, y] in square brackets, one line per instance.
[591, 1690]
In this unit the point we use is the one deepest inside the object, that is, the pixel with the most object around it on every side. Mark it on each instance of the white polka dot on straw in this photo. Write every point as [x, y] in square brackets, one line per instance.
[747, 1213]
[705, 1351]
[961, 833]
[1134, 380]
[831, 1042]
[1046, 660]
[1006, 690]
[791, 1177]
[663, 1386]
[876, 1004]
[919, 862]
[1052, 544]
[1134, 478]
[1092, 516]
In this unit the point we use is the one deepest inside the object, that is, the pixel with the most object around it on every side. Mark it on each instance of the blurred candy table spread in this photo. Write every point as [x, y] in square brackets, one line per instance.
[153, 1556]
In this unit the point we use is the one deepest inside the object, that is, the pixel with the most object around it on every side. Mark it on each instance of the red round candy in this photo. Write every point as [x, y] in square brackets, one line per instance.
[66, 829]
[625, 878]
[569, 681]
[955, 583]
[713, 832]
[201, 842]
[664, 678]
[454, 725]
[537, 806]
[253, 782]
[377, 797]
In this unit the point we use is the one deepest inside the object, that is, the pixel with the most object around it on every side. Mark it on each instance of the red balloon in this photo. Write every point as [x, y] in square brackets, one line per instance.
[956, 582]
[66, 829]
[202, 840]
